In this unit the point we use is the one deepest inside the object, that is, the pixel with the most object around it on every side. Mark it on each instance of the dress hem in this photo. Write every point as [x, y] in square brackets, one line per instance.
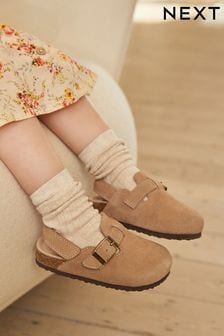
[53, 108]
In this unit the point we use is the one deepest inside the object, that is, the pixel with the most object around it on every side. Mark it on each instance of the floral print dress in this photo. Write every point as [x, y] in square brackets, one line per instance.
[37, 78]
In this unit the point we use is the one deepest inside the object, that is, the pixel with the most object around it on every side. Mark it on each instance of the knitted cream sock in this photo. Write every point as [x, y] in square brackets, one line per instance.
[64, 206]
[108, 157]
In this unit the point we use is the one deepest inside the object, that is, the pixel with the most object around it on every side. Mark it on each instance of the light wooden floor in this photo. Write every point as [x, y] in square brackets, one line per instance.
[174, 79]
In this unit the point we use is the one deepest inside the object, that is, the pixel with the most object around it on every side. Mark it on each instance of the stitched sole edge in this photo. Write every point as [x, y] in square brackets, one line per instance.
[163, 235]
[101, 283]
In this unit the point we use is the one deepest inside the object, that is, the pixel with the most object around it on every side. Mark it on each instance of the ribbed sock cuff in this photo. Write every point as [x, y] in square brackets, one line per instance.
[60, 181]
[100, 144]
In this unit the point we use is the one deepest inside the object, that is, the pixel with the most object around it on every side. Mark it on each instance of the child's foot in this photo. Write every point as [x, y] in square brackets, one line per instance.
[63, 205]
[121, 260]
[148, 208]
[133, 198]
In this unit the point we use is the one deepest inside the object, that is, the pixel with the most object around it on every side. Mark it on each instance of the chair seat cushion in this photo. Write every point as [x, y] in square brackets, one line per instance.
[21, 223]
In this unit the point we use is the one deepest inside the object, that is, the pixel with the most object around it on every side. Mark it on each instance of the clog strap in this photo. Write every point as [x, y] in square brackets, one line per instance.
[142, 190]
[62, 246]
[106, 249]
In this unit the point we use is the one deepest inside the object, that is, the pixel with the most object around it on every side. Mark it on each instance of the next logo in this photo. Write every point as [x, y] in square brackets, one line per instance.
[185, 12]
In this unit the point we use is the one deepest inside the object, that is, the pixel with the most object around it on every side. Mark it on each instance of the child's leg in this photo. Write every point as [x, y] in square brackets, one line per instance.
[85, 132]
[108, 158]
[27, 152]
[76, 124]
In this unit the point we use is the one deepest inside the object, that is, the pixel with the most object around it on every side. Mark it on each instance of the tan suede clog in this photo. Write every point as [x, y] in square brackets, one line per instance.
[122, 260]
[148, 208]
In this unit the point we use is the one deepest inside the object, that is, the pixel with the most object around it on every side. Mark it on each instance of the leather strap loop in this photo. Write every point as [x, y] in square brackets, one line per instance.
[136, 195]
[116, 234]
